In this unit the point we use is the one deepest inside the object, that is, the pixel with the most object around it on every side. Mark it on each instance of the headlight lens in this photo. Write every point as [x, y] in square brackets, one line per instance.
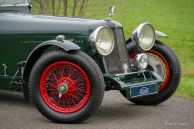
[103, 38]
[144, 36]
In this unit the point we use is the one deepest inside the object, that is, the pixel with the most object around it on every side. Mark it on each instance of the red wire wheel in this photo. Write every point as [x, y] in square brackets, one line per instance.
[159, 59]
[65, 87]
[165, 63]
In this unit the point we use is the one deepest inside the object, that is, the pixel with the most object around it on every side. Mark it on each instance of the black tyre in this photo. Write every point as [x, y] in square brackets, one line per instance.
[66, 87]
[163, 61]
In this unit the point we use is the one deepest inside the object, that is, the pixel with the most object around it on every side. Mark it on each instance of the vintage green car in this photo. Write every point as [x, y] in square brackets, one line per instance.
[64, 65]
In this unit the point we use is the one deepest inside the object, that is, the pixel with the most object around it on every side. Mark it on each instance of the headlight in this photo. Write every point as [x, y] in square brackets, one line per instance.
[103, 38]
[144, 36]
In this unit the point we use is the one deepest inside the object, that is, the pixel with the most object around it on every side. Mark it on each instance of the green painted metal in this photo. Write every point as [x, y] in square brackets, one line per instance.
[21, 33]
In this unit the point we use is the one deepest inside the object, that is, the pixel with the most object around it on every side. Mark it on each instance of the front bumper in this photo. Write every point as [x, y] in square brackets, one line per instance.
[134, 82]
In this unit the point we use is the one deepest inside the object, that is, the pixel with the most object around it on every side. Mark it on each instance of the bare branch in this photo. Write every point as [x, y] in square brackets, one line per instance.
[58, 8]
[65, 7]
[53, 7]
[74, 7]
[41, 7]
[61, 7]
[82, 8]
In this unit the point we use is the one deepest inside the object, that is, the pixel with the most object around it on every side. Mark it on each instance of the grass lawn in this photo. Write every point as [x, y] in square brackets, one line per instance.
[173, 17]
[186, 88]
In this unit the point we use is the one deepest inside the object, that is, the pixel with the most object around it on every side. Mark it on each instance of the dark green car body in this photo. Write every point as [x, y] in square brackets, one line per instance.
[21, 33]
[25, 37]
[64, 64]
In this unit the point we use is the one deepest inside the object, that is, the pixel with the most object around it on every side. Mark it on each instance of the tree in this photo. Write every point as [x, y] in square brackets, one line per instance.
[61, 7]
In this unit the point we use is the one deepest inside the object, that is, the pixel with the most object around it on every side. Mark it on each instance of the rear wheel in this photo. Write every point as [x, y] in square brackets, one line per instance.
[164, 62]
[66, 88]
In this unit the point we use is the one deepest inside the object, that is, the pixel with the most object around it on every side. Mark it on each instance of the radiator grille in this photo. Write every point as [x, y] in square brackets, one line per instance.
[119, 55]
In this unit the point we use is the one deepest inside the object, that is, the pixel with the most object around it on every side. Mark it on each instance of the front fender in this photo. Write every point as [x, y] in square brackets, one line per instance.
[65, 45]
[41, 48]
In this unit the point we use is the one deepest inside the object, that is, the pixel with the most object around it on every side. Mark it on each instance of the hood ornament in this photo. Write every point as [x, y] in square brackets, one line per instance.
[111, 11]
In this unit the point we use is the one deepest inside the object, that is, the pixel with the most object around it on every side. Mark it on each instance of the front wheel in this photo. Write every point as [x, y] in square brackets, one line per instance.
[66, 87]
[164, 62]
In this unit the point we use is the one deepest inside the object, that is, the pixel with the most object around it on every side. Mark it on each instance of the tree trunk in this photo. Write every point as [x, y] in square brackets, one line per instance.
[74, 7]
[82, 8]
[46, 7]
[58, 8]
[65, 7]
[53, 7]
[41, 7]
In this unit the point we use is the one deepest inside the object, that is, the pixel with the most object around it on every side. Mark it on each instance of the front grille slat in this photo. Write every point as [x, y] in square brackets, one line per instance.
[119, 55]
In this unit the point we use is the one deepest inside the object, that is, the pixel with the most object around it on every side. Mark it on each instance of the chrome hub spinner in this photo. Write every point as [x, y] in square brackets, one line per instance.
[62, 89]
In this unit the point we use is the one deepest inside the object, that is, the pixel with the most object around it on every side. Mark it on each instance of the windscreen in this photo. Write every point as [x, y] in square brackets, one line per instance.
[13, 2]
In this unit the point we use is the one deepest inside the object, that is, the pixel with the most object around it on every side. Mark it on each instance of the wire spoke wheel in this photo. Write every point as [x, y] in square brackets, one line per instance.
[65, 87]
[158, 64]
[163, 61]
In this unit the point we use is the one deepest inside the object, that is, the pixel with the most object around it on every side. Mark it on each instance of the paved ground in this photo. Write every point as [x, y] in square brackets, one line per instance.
[115, 113]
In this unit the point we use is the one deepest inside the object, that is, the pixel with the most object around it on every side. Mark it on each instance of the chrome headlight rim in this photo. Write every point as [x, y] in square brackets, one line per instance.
[136, 35]
[93, 38]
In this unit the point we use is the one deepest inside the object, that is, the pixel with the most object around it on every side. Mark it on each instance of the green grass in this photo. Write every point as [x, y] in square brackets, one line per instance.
[186, 88]
[173, 17]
